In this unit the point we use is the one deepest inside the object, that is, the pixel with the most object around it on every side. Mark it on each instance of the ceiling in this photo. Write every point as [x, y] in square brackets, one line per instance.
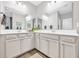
[36, 3]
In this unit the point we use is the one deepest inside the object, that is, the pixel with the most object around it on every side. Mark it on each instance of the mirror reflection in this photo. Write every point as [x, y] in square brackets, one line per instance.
[48, 16]
[65, 17]
[61, 18]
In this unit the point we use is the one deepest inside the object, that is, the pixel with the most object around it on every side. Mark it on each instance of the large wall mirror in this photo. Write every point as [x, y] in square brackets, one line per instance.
[65, 17]
[59, 19]
[13, 20]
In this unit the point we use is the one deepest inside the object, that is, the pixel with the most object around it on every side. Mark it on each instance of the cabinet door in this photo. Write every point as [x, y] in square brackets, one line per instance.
[30, 43]
[12, 47]
[24, 45]
[2, 46]
[37, 42]
[53, 48]
[44, 45]
[67, 50]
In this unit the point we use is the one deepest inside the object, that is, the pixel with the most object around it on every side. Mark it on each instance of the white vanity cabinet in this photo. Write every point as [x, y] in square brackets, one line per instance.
[68, 47]
[53, 48]
[30, 41]
[26, 42]
[44, 45]
[23, 43]
[37, 40]
[2, 46]
[26, 45]
[52, 45]
[49, 45]
[58, 46]
[67, 50]
[12, 46]
[17, 44]
[30, 44]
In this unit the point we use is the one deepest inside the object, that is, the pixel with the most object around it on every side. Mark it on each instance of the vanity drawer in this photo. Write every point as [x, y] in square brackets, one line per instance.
[11, 36]
[22, 35]
[50, 36]
[68, 39]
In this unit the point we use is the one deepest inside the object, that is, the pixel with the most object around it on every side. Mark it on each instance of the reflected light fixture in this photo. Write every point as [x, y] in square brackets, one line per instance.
[28, 18]
[20, 4]
[44, 17]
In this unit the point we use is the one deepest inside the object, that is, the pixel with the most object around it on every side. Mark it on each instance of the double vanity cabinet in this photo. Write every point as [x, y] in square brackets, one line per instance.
[57, 46]
[52, 45]
[12, 45]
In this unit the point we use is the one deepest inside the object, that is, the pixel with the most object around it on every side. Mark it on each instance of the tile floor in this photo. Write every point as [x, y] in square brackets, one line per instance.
[32, 54]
